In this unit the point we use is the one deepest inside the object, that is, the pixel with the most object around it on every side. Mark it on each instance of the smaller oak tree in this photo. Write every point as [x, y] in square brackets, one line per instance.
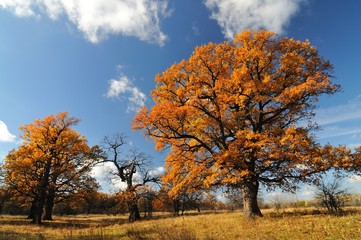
[53, 161]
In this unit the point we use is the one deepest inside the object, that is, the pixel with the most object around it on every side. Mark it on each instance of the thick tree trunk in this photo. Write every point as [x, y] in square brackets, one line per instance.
[38, 210]
[42, 194]
[32, 209]
[250, 204]
[134, 213]
[49, 206]
[176, 207]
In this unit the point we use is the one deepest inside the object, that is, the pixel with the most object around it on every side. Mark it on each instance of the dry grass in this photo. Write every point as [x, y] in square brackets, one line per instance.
[289, 224]
[75, 227]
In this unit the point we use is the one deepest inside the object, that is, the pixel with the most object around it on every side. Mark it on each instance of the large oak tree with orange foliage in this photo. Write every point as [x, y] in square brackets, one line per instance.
[52, 161]
[236, 114]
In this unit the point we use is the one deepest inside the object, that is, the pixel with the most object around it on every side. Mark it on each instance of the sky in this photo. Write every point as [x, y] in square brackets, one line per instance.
[97, 59]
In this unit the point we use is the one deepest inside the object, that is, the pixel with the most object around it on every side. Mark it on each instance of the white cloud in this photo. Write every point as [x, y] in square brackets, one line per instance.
[356, 179]
[5, 135]
[233, 16]
[157, 172]
[102, 171]
[119, 86]
[122, 86]
[21, 8]
[97, 19]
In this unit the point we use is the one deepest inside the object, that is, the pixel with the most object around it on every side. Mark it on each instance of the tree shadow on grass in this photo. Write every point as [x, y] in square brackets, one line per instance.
[20, 236]
[80, 223]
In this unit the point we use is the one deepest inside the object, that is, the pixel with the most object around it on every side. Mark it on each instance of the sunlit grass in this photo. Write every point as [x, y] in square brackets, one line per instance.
[287, 224]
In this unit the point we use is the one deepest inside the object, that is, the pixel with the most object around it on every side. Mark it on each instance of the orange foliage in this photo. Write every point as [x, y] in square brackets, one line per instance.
[231, 114]
[50, 151]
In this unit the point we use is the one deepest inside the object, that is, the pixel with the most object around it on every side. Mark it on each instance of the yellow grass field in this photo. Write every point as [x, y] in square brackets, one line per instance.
[291, 224]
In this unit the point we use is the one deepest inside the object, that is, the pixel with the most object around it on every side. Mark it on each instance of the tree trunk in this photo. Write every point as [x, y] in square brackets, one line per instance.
[38, 210]
[42, 190]
[149, 207]
[134, 213]
[250, 204]
[198, 209]
[49, 205]
[176, 207]
[32, 209]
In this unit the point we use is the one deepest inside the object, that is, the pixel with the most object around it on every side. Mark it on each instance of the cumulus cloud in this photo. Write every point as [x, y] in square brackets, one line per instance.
[104, 174]
[234, 16]
[123, 86]
[157, 172]
[21, 8]
[101, 171]
[97, 19]
[5, 135]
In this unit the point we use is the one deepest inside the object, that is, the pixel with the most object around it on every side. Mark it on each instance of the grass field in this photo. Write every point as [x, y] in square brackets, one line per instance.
[291, 224]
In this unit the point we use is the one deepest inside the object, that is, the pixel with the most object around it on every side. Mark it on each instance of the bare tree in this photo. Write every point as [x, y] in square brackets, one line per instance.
[278, 200]
[131, 167]
[234, 198]
[186, 200]
[332, 195]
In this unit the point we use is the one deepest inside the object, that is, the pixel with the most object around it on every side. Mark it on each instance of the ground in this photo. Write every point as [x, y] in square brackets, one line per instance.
[284, 224]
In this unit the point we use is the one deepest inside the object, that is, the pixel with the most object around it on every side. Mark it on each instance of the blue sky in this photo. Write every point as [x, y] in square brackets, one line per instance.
[97, 59]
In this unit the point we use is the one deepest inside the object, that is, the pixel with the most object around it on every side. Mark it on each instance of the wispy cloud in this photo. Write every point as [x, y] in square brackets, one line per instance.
[97, 19]
[339, 113]
[5, 135]
[195, 29]
[123, 86]
[234, 16]
[338, 131]
[339, 120]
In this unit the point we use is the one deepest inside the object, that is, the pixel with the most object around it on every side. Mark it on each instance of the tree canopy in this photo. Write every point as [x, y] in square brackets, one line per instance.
[240, 114]
[52, 161]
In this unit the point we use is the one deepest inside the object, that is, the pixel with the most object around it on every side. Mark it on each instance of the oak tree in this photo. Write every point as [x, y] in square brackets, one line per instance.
[52, 161]
[240, 114]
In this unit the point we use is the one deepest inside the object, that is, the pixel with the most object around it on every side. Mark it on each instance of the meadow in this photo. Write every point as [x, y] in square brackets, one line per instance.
[284, 224]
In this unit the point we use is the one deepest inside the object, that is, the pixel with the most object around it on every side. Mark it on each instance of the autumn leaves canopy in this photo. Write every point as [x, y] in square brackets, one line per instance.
[237, 114]
[52, 161]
